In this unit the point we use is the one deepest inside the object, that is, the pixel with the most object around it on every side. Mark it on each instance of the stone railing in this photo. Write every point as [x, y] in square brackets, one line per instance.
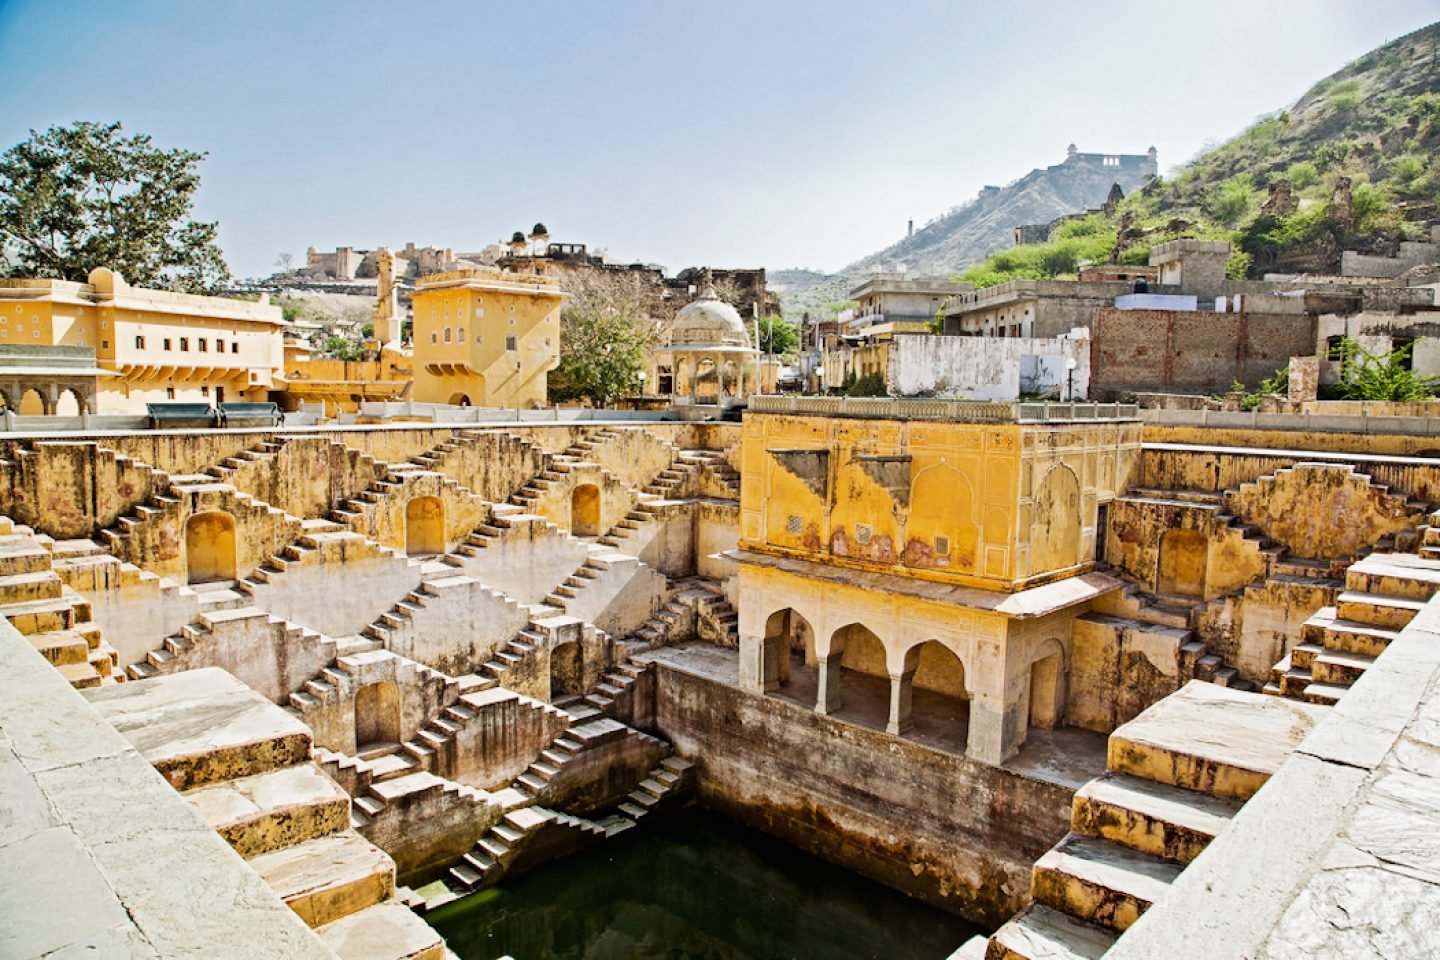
[1319, 422]
[968, 411]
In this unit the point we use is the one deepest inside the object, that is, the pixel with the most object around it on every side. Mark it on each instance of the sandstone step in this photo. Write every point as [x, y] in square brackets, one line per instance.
[268, 811]
[81, 676]
[1395, 575]
[385, 931]
[1376, 610]
[972, 949]
[1040, 933]
[34, 585]
[1211, 739]
[22, 554]
[329, 877]
[1327, 629]
[1150, 817]
[1339, 668]
[40, 616]
[1323, 694]
[1099, 881]
[61, 647]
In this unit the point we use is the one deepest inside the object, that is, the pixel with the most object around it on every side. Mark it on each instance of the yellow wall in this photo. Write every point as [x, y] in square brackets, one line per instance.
[463, 322]
[993, 505]
[152, 338]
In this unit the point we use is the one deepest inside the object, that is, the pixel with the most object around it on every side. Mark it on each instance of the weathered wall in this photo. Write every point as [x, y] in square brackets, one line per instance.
[381, 515]
[1381, 442]
[986, 368]
[527, 560]
[717, 531]
[307, 476]
[70, 490]
[135, 609]
[1140, 543]
[1322, 511]
[493, 464]
[955, 833]
[1211, 468]
[555, 500]
[500, 741]
[456, 625]
[1134, 350]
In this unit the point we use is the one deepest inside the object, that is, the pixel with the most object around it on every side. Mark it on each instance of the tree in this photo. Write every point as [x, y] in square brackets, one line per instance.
[605, 332]
[286, 262]
[1370, 376]
[83, 196]
[341, 349]
[778, 337]
[602, 354]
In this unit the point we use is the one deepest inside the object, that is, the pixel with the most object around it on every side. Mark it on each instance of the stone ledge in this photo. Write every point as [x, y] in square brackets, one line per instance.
[115, 862]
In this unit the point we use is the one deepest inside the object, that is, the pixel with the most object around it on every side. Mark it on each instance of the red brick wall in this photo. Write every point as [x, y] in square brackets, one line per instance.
[1197, 352]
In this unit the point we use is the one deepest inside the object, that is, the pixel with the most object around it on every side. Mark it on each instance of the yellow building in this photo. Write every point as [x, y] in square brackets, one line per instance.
[160, 346]
[485, 338]
[895, 546]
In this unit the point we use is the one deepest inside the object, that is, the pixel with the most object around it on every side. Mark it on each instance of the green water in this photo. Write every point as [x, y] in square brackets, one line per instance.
[696, 886]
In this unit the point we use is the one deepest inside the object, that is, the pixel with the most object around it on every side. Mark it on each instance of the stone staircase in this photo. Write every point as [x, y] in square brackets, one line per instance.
[55, 618]
[666, 785]
[616, 537]
[1177, 774]
[535, 784]
[434, 741]
[361, 512]
[1427, 537]
[244, 765]
[134, 535]
[602, 563]
[376, 789]
[717, 621]
[406, 626]
[714, 463]
[232, 469]
[608, 698]
[1383, 592]
[531, 834]
[231, 634]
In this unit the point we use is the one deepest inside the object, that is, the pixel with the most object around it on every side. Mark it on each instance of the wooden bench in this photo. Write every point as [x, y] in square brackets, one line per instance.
[180, 415]
[251, 414]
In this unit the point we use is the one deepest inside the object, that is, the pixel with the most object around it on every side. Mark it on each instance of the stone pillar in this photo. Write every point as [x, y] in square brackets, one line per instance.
[1304, 379]
[901, 687]
[827, 699]
[695, 378]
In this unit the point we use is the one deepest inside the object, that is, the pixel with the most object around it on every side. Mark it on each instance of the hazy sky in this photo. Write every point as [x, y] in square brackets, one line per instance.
[735, 134]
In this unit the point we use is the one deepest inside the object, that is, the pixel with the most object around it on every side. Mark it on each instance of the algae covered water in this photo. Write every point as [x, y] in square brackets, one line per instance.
[696, 886]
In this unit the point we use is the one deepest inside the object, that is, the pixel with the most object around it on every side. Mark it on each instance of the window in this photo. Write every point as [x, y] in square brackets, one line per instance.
[204, 391]
[235, 346]
[512, 343]
[104, 344]
[201, 345]
[184, 344]
[434, 337]
[139, 343]
[447, 334]
[167, 343]
[460, 335]
[169, 393]
[479, 340]
[1333, 348]
[1407, 344]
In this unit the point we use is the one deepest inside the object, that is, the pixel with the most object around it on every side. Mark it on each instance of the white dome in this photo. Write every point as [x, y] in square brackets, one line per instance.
[708, 321]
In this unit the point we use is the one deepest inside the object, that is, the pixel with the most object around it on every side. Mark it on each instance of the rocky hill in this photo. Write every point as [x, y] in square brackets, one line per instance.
[967, 233]
[1351, 165]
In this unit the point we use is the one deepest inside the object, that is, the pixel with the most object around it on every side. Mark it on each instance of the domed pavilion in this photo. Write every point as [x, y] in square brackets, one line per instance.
[711, 359]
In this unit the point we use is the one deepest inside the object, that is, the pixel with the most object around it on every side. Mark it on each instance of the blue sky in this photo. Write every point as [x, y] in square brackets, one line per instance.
[734, 134]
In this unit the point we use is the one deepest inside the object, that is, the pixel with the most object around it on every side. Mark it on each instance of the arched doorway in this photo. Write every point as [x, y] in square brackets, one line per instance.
[32, 404]
[459, 400]
[68, 404]
[567, 669]
[929, 701]
[377, 714]
[585, 510]
[424, 526]
[210, 547]
[789, 653]
[1047, 691]
[1055, 537]
[1181, 566]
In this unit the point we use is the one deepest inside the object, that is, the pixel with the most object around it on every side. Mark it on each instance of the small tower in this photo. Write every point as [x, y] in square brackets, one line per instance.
[539, 240]
[387, 304]
[1071, 151]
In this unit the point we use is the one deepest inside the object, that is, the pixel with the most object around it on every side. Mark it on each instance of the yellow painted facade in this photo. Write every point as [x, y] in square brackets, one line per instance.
[932, 554]
[161, 346]
[1001, 506]
[485, 338]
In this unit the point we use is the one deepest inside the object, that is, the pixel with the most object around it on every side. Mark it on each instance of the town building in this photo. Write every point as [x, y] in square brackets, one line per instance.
[485, 338]
[887, 304]
[155, 345]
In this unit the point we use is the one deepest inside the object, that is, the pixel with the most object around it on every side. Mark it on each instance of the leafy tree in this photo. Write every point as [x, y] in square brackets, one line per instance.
[341, 349]
[1370, 376]
[778, 337]
[83, 196]
[602, 354]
